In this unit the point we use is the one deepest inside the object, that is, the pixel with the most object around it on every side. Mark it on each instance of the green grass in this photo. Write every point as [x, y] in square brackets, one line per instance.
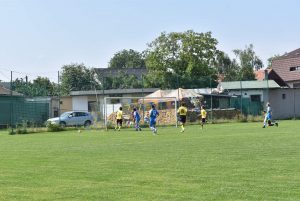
[234, 161]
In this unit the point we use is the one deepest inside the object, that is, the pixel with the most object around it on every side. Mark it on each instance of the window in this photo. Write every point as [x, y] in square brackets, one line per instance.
[295, 68]
[296, 85]
[92, 106]
[255, 98]
[283, 96]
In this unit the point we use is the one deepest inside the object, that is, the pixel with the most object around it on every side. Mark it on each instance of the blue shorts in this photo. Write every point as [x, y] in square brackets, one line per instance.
[152, 122]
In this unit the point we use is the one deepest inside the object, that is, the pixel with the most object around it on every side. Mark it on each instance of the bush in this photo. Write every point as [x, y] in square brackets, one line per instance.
[54, 127]
[22, 128]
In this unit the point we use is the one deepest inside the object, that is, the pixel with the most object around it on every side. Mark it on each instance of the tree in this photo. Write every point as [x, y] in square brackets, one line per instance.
[77, 77]
[188, 58]
[248, 62]
[41, 86]
[227, 68]
[127, 59]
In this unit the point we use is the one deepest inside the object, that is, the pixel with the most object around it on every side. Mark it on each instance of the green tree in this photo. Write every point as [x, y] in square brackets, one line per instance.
[127, 59]
[41, 86]
[77, 77]
[187, 58]
[227, 68]
[248, 61]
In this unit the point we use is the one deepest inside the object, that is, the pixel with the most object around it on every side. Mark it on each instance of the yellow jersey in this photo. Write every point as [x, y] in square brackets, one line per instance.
[182, 110]
[119, 114]
[203, 113]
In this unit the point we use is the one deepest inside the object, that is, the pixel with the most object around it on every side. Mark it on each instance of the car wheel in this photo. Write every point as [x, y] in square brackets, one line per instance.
[62, 124]
[87, 124]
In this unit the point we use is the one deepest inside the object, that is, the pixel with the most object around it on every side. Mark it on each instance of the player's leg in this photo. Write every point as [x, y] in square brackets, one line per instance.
[138, 125]
[265, 121]
[183, 120]
[151, 124]
[202, 122]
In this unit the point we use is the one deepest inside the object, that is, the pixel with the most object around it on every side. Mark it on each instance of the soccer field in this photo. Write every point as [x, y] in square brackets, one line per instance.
[232, 161]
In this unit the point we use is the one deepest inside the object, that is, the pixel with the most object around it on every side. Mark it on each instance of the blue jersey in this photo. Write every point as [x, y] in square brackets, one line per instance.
[153, 114]
[269, 113]
[136, 116]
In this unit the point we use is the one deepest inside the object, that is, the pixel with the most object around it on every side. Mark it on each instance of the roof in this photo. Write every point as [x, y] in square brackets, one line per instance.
[112, 91]
[249, 84]
[292, 54]
[7, 92]
[271, 75]
[260, 74]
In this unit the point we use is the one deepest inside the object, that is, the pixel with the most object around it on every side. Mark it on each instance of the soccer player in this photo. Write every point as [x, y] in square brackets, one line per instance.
[153, 114]
[137, 118]
[268, 117]
[203, 116]
[182, 110]
[119, 119]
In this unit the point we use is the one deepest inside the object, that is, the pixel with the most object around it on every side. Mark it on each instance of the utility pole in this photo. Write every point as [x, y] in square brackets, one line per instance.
[11, 102]
[211, 102]
[58, 81]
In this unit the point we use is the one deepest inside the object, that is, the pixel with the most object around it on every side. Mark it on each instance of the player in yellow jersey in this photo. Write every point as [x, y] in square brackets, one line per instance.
[182, 111]
[119, 119]
[203, 116]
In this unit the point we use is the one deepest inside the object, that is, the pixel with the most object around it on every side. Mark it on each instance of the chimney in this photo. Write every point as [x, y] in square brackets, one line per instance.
[266, 74]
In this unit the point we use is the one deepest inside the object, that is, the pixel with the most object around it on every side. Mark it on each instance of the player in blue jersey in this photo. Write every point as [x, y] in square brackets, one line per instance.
[137, 119]
[153, 114]
[268, 117]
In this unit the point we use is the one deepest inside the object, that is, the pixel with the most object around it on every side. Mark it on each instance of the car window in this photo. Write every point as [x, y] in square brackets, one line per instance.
[81, 114]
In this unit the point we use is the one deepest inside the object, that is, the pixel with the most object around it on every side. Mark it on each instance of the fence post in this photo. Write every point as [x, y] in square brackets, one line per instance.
[241, 96]
[211, 107]
[11, 102]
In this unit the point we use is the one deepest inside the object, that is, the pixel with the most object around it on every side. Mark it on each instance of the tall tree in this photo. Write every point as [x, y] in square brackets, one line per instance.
[187, 58]
[248, 61]
[127, 59]
[77, 77]
[228, 69]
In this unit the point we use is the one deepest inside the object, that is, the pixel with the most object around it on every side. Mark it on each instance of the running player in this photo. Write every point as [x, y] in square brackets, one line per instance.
[153, 114]
[182, 111]
[137, 118]
[119, 119]
[203, 116]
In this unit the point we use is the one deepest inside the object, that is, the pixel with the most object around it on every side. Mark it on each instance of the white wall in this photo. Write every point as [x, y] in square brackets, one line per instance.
[80, 103]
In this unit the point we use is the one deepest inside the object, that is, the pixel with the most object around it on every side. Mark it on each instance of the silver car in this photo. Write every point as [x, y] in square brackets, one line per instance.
[73, 118]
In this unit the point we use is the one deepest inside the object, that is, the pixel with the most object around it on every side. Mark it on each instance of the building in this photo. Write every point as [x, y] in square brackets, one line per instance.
[93, 101]
[270, 74]
[288, 68]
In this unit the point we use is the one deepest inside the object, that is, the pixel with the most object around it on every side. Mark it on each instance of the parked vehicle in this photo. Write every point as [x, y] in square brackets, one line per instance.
[73, 118]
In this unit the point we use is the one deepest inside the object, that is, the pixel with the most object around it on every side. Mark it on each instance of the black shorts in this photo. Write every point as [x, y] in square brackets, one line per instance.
[203, 120]
[182, 118]
[119, 121]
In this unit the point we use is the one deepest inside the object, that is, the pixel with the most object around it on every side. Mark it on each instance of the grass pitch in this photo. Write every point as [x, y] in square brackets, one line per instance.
[234, 161]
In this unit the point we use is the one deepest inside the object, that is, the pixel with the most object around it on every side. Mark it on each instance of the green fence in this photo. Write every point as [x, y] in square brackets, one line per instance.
[246, 106]
[16, 110]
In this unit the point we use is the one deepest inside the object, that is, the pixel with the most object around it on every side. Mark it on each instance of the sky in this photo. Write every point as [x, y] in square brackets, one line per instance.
[38, 37]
